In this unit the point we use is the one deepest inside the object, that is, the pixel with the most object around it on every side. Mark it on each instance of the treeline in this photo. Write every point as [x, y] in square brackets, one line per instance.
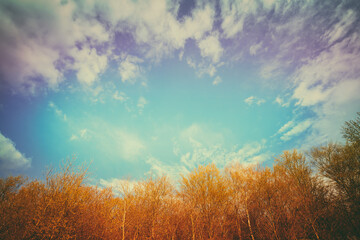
[312, 197]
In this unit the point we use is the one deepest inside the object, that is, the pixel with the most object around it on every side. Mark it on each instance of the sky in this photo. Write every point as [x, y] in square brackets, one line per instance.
[150, 88]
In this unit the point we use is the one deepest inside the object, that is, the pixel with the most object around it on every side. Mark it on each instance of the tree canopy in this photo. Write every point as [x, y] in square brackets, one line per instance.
[300, 197]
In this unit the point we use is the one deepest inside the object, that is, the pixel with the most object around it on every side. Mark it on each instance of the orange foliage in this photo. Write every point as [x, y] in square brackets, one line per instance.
[289, 201]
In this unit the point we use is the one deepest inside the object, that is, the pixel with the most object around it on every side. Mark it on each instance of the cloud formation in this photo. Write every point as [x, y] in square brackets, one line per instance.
[120, 96]
[250, 154]
[41, 40]
[281, 102]
[89, 65]
[10, 157]
[130, 69]
[113, 47]
[294, 130]
[217, 80]
[211, 47]
[199, 145]
[58, 111]
[83, 134]
[141, 104]
[254, 100]
[119, 186]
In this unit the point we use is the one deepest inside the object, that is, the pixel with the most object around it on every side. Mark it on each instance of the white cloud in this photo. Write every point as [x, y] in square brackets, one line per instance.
[28, 64]
[255, 48]
[118, 144]
[73, 137]
[254, 100]
[329, 85]
[250, 149]
[268, 3]
[128, 145]
[181, 54]
[249, 154]
[58, 111]
[272, 69]
[191, 63]
[286, 126]
[234, 14]
[231, 25]
[203, 67]
[200, 145]
[121, 96]
[141, 104]
[52, 38]
[340, 29]
[171, 170]
[26, 58]
[89, 65]
[120, 186]
[156, 26]
[249, 100]
[296, 130]
[10, 157]
[211, 47]
[84, 134]
[202, 156]
[113, 142]
[318, 80]
[200, 23]
[198, 135]
[35, 45]
[260, 101]
[331, 115]
[130, 69]
[217, 80]
[281, 102]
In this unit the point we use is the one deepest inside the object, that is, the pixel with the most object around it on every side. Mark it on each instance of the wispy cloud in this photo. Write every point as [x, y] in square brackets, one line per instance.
[83, 134]
[141, 104]
[281, 102]
[286, 126]
[108, 140]
[203, 67]
[341, 28]
[234, 14]
[319, 79]
[255, 48]
[119, 186]
[217, 80]
[250, 154]
[58, 111]
[272, 69]
[129, 144]
[254, 100]
[295, 130]
[329, 85]
[200, 145]
[121, 96]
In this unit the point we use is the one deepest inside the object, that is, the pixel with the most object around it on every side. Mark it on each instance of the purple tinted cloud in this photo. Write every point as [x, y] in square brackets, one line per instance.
[40, 41]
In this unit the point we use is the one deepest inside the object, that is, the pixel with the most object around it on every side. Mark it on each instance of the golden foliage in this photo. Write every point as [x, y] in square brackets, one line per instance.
[286, 202]
[295, 199]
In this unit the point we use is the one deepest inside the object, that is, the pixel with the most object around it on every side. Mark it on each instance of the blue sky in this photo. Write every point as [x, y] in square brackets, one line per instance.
[159, 87]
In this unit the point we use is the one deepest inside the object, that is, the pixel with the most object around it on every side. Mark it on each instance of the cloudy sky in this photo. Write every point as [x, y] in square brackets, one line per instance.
[159, 87]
